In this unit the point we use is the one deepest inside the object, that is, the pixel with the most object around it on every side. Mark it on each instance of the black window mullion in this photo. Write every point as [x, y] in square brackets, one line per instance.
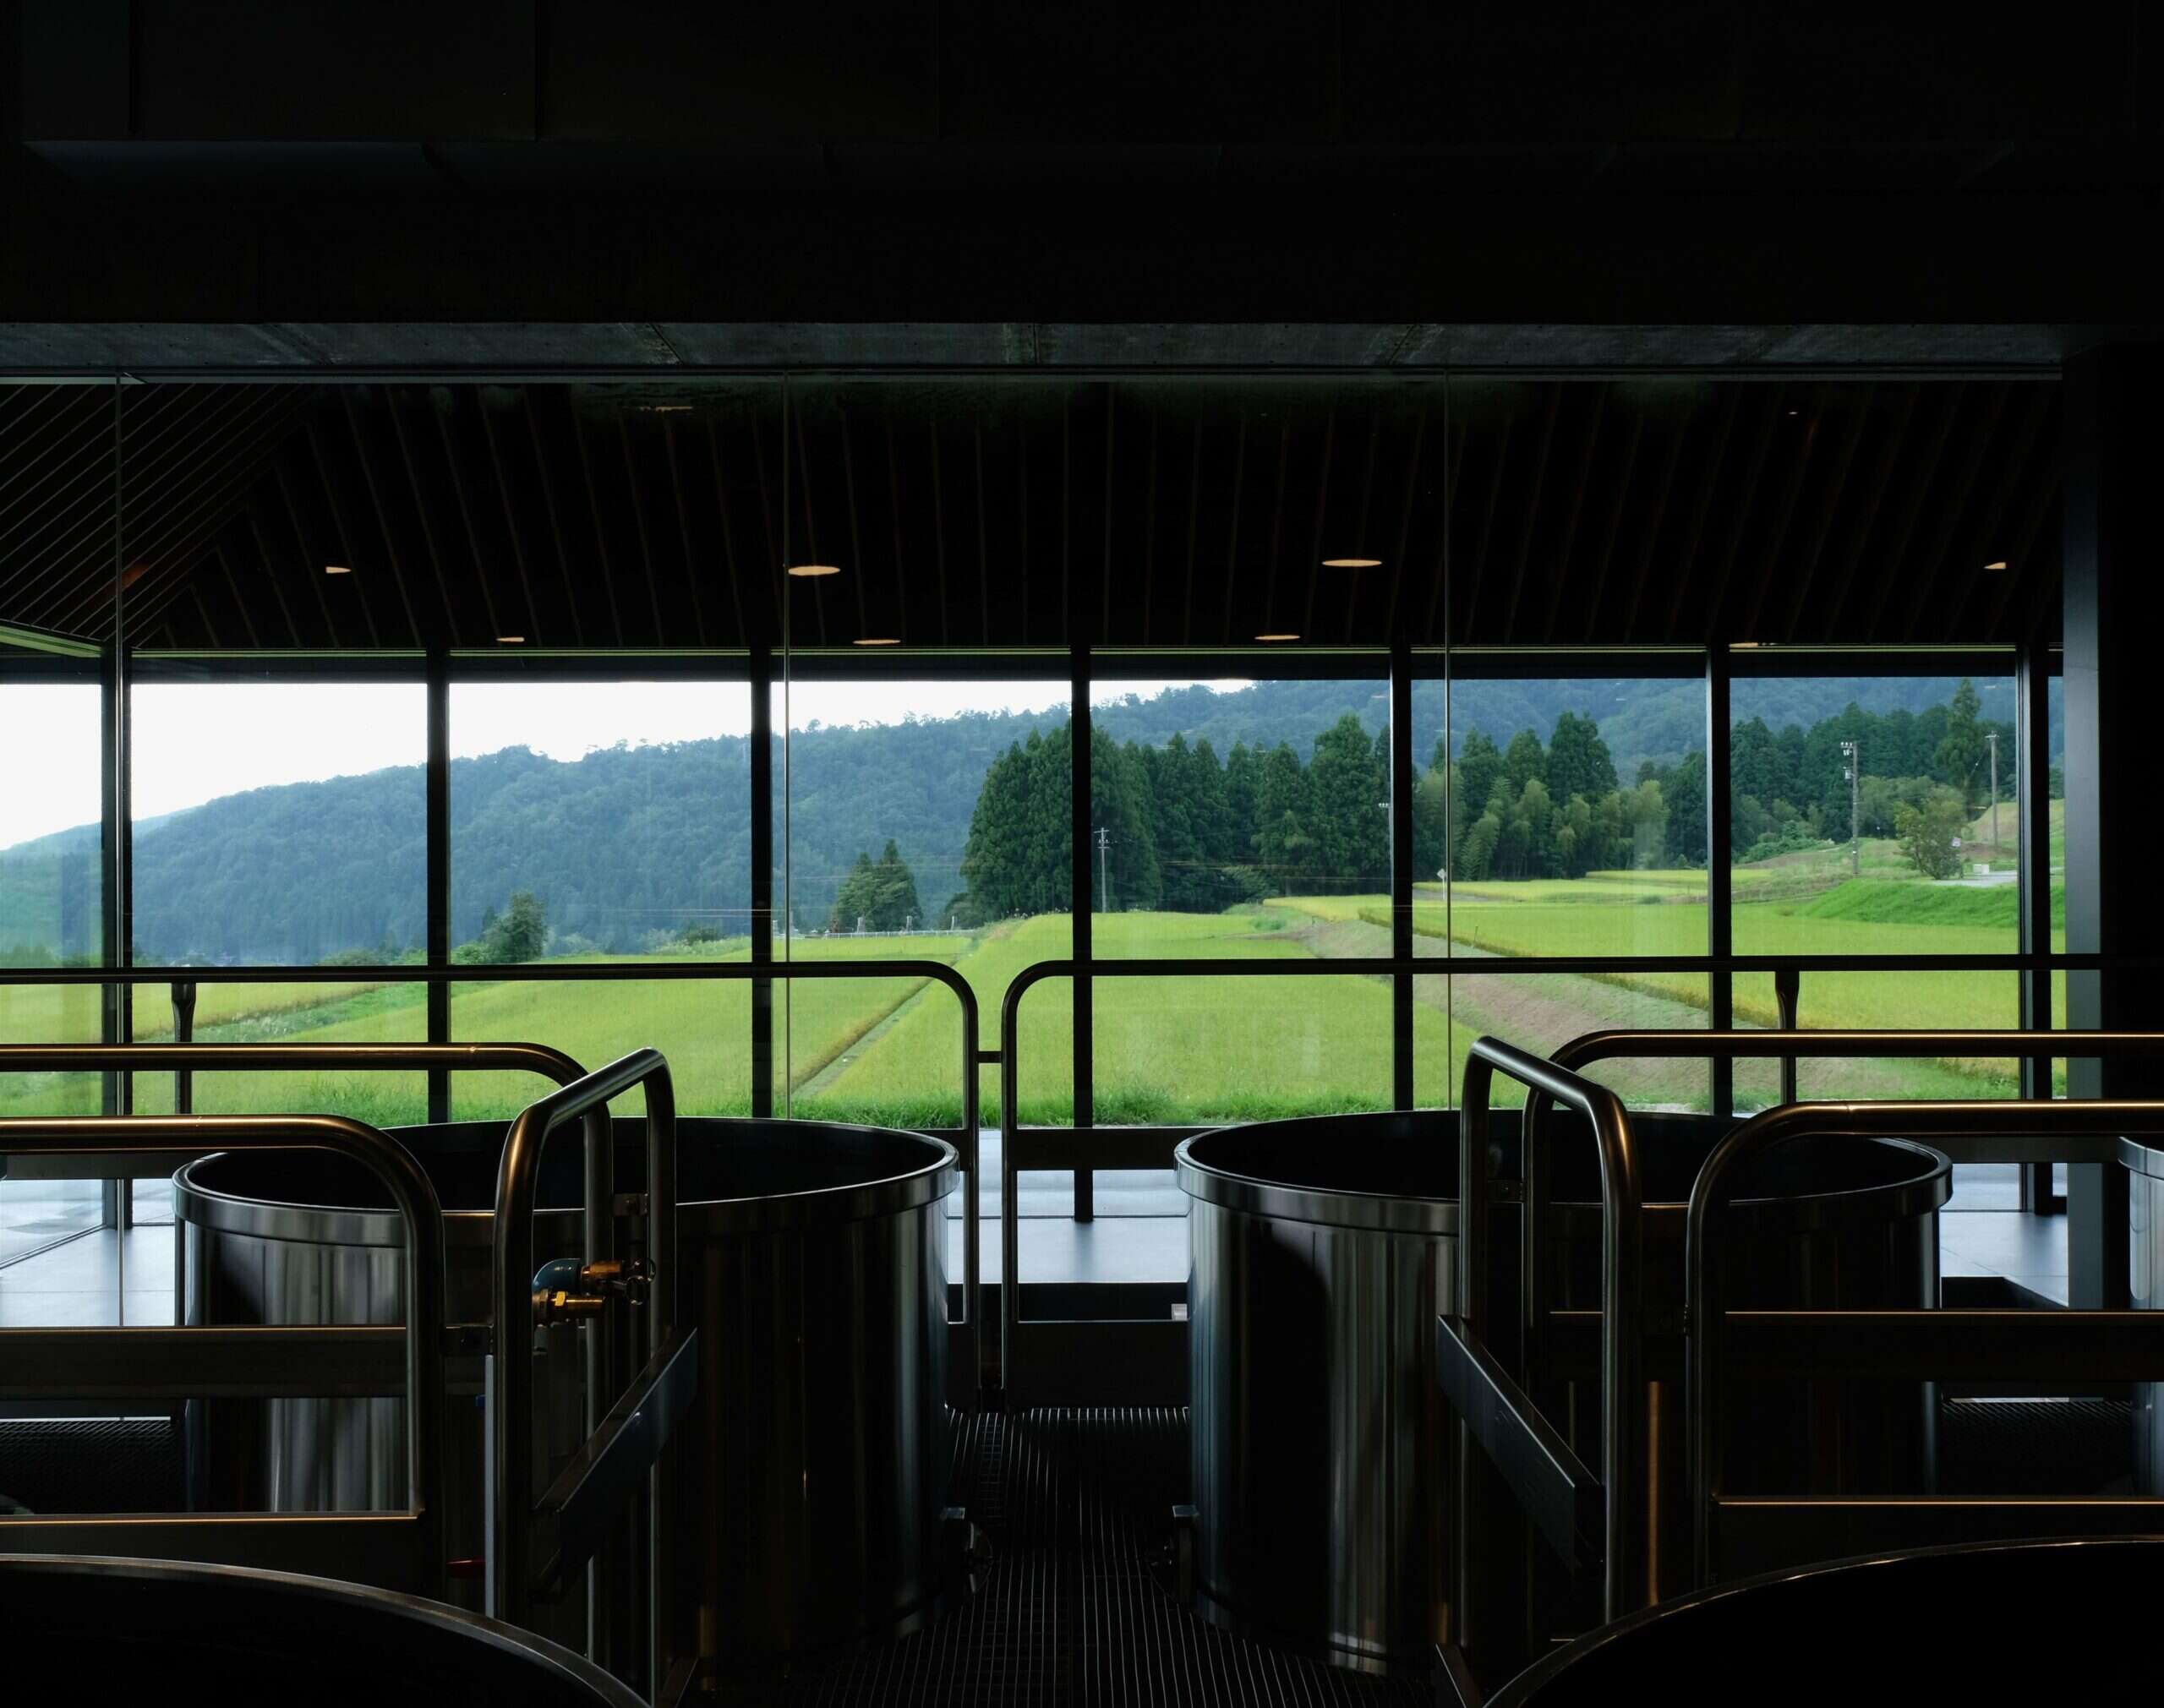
[439, 871]
[1401, 874]
[1720, 936]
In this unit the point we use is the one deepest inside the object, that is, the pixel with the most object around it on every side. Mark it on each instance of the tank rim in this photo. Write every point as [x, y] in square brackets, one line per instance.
[1526, 1685]
[893, 1193]
[391, 1604]
[1927, 1189]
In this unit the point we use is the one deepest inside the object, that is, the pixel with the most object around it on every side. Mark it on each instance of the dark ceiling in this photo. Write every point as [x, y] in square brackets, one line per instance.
[207, 183]
[964, 513]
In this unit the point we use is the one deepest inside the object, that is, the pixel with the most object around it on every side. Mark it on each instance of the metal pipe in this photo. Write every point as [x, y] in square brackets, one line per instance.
[1705, 1320]
[1625, 1574]
[410, 1189]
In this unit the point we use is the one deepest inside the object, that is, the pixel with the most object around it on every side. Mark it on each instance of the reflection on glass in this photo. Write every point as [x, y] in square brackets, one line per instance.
[51, 808]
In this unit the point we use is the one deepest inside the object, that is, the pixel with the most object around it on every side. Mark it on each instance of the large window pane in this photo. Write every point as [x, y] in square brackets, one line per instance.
[702, 1026]
[279, 823]
[1875, 814]
[1560, 813]
[51, 806]
[926, 819]
[596, 821]
[1240, 819]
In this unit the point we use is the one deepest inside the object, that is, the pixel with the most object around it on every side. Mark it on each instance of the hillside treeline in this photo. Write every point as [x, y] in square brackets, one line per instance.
[1790, 786]
[1175, 827]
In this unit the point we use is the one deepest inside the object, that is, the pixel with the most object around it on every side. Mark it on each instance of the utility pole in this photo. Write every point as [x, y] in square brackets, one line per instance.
[1105, 870]
[1853, 752]
[1992, 736]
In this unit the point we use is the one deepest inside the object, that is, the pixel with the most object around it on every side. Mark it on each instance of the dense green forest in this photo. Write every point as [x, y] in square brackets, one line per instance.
[1206, 799]
[1176, 828]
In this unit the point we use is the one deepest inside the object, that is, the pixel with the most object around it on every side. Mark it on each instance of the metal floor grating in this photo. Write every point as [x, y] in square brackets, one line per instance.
[1078, 1504]
[58, 1465]
[2057, 1447]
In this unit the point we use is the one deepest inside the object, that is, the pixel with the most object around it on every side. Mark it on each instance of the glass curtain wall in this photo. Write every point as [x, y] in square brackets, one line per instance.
[1559, 814]
[58, 516]
[602, 823]
[1366, 665]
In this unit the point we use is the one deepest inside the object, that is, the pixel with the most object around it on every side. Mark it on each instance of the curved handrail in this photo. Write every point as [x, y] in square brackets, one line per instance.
[937, 972]
[1684, 1043]
[510, 1522]
[410, 1189]
[1705, 1318]
[1625, 1578]
[1010, 1117]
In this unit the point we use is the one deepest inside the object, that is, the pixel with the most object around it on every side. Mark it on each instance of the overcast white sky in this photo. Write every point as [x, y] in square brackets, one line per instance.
[195, 742]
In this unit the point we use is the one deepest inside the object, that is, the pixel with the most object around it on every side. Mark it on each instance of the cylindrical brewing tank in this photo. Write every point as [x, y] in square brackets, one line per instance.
[1322, 1250]
[1925, 1626]
[811, 1259]
[2145, 1164]
[152, 1630]
[302, 1237]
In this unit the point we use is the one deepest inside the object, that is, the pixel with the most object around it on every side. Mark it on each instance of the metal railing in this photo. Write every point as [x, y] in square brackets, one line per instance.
[1509, 1428]
[625, 1448]
[393, 1550]
[1078, 1149]
[2051, 1347]
[964, 1137]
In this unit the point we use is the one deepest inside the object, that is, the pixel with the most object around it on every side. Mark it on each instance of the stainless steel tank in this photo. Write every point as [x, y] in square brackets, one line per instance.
[813, 1474]
[2145, 1166]
[1322, 1250]
[1901, 1627]
[302, 1238]
[153, 1630]
[814, 1471]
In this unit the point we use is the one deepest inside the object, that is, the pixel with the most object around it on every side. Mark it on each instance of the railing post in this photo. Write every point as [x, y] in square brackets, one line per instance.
[183, 1032]
[1788, 996]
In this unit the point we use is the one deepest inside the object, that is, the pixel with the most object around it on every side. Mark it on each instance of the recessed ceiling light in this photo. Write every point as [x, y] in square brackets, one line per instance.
[1352, 563]
[510, 640]
[1277, 637]
[815, 569]
[337, 569]
[1999, 564]
[879, 641]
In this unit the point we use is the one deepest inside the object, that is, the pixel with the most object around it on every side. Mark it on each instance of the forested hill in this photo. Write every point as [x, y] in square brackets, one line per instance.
[628, 843]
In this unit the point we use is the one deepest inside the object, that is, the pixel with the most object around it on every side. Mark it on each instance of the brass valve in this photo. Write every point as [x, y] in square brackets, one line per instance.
[566, 1289]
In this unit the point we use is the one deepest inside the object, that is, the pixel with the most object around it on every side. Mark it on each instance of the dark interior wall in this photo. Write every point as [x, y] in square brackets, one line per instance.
[949, 160]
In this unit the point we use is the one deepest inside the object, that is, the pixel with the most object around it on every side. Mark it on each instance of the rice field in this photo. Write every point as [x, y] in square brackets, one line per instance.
[889, 1048]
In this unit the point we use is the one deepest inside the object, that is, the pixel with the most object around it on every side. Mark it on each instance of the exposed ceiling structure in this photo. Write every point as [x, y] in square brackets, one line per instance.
[973, 513]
